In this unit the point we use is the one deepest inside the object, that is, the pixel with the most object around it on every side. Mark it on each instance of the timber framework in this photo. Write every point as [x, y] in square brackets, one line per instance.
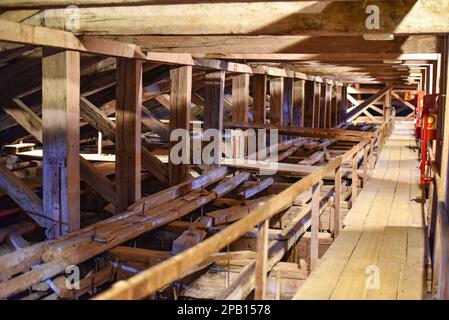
[330, 159]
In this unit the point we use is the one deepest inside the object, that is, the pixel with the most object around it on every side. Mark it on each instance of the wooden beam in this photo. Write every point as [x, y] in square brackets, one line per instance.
[287, 104]
[317, 105]
[288, 18]
[260, 98]
[267, 44]
[128, 132]
[261, 261]
[181, 91]
[213, 100]
[314, 228]
[22, 195]
[337, 221]
[298, 103]
[60, 117]
[240, 98]
[276, 100]
[309, 104]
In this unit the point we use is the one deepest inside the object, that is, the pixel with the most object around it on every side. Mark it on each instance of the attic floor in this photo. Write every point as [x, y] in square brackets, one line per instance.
[380, 252]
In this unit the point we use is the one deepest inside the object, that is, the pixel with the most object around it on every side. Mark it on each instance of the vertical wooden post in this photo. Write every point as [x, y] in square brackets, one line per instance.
[327, 106]
[337, 203]
[371, 154]
[298, 103]
[344, 103]
[259, 98]
[213, 105]
[315, 219]
[317, 105]
[287, 105]
[354, 178]
[181, 93]
[240, 98]
[128, 132]
[338, 105]
[213, 100]
[309, 104]
[261, 261]
[323, 106]
[60, 116]
[276, 100]
[365, 166]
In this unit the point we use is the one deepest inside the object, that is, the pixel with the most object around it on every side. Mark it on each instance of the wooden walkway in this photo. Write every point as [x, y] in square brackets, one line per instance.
[383, 238]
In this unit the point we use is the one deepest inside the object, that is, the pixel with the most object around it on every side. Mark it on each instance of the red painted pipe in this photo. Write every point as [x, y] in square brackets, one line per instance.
[10, 211]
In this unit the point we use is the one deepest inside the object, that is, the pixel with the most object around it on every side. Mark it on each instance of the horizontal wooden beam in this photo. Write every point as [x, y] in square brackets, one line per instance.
[267, 44]
[278, 18]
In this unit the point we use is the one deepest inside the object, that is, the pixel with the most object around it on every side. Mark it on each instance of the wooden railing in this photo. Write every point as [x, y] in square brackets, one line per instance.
[150, 280]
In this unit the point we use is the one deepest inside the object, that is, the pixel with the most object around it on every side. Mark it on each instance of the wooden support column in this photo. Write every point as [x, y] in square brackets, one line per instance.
[337, 203]
[315, 220]
[338, 115]
[326, 106]
[323, 106]
[259, 98]
[213, 103]
[60, 116]
[181, 93]
[317, 105]
[354, 178]
[240, 98]
[298, 103]
[344, 104]
[128, 132]
[276, 100]
[213, 100]
[287, 105]
[261, 261]
[309, 104]
[365, 166]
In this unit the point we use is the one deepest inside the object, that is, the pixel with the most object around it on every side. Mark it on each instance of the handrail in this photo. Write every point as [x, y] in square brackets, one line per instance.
[150, 280]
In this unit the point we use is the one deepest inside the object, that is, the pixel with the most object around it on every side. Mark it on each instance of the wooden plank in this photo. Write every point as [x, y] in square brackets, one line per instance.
[181, 91]
[128, 132]
[261, 261]
[60, 118]
[240, 98]
[260, 98]
[276, 100]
